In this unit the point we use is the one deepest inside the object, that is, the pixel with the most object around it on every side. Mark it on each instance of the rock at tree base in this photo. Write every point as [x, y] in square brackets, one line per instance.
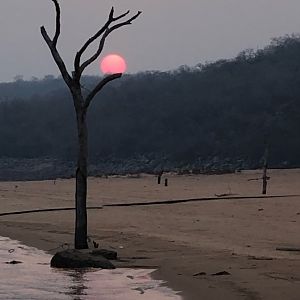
[108, 254]
[86, 258]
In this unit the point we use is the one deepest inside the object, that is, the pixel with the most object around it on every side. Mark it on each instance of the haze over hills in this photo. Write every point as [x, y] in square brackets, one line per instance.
[215, 116]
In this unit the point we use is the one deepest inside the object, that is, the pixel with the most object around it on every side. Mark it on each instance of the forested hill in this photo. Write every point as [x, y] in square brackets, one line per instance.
[215, 115]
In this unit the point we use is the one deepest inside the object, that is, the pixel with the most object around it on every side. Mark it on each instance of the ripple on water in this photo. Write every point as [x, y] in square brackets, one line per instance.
[34, 279]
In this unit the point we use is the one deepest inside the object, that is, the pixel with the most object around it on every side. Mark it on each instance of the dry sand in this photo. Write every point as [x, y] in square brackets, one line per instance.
[187, 242]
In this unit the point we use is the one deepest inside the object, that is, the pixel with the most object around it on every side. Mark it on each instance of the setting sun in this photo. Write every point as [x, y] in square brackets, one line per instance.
[112, 64]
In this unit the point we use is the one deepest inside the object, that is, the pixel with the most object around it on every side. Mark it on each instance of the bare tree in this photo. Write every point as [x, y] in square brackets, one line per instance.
[82, 102]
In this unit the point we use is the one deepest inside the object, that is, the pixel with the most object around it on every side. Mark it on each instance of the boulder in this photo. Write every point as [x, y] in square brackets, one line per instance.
[72, 258]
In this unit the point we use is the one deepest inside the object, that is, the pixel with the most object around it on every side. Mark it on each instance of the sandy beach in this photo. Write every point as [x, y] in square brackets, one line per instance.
[186, 242]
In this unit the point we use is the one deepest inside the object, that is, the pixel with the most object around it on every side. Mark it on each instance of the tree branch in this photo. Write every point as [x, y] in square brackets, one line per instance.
[110, 20]
[90, 41]
[104, 31]
[99, 87]
[57, 58]
[52, 46]
[57, 27]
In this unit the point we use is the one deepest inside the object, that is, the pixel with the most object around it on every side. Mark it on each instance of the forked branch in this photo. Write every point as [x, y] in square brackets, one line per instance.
[111, 19]
[52, 45]
[104, 32]
[74, 81]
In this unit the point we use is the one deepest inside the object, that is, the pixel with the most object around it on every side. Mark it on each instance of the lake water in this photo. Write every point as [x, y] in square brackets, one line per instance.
[33, 279]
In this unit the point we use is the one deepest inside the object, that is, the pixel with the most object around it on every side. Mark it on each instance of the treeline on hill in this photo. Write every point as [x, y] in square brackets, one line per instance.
[221, 111]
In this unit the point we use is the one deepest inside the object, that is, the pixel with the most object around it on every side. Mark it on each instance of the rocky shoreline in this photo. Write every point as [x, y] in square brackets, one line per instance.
[12, 169]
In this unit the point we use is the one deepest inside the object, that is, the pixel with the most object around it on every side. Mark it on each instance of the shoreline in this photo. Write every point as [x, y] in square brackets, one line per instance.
[172, 271]
[34, 279]
[45, 245]
[186, 242]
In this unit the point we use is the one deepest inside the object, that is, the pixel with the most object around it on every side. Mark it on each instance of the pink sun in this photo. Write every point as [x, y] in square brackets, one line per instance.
[112, 64]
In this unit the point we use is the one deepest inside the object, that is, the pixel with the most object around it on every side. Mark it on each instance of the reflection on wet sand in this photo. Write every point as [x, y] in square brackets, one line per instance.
[77, 287]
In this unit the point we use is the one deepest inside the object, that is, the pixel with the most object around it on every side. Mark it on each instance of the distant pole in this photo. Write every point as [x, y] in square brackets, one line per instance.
[166, 182]
[265, 178]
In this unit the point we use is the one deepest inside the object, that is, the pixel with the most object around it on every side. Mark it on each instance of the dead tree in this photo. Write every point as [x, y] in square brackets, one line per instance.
[81, 103]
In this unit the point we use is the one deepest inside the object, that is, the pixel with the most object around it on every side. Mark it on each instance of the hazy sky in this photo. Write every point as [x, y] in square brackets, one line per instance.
[168, 34]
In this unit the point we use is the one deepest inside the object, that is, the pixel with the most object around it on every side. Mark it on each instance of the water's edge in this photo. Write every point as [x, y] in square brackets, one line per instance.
[33, 278]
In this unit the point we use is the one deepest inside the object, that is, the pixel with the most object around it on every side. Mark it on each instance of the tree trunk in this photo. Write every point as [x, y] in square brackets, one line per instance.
[81, 182]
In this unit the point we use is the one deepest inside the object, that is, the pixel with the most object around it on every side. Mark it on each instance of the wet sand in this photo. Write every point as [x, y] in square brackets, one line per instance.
[186, 242]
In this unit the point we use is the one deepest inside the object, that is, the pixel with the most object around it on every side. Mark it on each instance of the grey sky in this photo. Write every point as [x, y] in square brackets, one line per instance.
[168, 34]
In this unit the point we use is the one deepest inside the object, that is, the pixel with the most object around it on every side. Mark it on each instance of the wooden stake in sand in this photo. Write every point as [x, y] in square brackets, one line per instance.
[265, 178]
[160, 174]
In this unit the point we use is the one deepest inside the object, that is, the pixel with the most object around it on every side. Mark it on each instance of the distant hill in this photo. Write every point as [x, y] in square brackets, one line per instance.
[22, 89]
[214, 116]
